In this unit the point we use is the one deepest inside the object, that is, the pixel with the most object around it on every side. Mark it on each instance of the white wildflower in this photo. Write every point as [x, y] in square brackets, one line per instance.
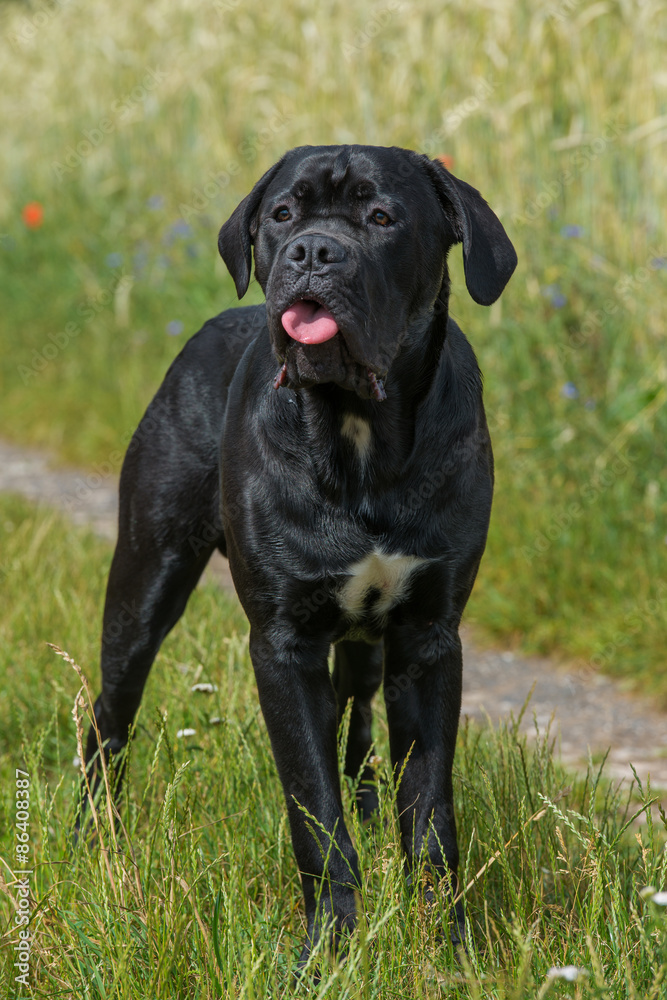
[569, 972]
[185, 732]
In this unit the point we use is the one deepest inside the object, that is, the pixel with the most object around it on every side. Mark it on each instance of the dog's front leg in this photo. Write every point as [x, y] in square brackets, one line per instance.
[423, 668]
[299, 706]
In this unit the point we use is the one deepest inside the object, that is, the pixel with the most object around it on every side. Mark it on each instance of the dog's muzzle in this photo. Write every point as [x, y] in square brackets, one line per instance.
[309, 328]
[308, 364]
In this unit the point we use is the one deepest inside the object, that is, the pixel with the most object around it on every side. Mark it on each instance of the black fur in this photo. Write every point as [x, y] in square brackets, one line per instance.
[274, 479]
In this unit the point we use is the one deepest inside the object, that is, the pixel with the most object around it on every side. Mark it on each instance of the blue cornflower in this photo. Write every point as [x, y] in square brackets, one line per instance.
[178, 230]
[569, 390]
[181, 228]
[114, 259]
[553, 292]
[572, 232]
[175, 328]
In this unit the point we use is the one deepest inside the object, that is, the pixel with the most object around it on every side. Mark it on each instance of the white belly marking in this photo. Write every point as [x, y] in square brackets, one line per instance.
[387, 573]
[358, 431]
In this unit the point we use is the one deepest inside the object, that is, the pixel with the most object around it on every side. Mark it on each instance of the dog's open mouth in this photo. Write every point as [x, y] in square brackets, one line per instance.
[309, 322]
[314, 351]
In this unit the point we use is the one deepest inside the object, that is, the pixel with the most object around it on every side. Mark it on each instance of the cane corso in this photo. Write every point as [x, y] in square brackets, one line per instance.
[332, 443]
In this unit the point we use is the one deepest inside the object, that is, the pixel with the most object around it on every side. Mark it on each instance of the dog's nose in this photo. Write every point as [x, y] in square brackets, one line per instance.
[313, 252]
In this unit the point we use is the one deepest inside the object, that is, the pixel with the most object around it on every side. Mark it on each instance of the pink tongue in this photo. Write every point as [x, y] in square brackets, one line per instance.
[309, 323]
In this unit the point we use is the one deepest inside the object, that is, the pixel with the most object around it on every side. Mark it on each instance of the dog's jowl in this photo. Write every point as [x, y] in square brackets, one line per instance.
[333, 444]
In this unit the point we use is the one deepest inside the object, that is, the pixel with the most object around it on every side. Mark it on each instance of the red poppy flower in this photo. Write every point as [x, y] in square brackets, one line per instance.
[33, 215]
[447, 161]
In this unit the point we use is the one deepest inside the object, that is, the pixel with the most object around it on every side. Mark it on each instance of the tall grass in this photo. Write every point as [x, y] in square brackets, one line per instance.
[138, 128]
[193, 891]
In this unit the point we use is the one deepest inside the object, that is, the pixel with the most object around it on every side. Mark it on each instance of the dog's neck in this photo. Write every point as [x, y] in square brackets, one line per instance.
[357, 443]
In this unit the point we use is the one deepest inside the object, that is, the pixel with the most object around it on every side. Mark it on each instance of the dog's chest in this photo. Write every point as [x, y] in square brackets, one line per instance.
[377, 583]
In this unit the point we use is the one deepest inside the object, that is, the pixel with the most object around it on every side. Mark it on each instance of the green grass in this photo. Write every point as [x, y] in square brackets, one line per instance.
[137, 117]
[556, 111]
[197, 896]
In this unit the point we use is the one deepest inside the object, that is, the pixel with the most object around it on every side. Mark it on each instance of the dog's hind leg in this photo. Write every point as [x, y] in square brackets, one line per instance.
[168, 527]
[357, 674]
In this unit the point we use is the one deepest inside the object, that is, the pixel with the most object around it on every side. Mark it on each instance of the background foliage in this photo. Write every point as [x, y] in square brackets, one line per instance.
[133, 130]
[138, 129]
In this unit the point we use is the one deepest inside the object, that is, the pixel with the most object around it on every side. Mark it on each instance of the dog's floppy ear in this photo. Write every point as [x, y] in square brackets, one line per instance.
[236, 236]
[489, 258]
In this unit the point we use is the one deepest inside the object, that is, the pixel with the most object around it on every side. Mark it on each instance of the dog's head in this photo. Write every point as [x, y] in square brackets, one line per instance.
[351, 247]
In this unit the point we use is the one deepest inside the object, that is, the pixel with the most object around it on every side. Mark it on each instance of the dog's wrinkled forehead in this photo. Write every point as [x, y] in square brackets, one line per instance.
[323, 178]
[434, 210]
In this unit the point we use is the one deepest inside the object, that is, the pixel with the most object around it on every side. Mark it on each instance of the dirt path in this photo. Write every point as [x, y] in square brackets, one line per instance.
[591, 712]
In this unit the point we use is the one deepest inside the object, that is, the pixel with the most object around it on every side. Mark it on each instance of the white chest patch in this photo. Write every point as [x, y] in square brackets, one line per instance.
[358, 431]
[387, 574]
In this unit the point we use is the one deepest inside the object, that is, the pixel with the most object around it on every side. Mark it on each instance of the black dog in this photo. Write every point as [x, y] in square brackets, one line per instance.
[333, 445]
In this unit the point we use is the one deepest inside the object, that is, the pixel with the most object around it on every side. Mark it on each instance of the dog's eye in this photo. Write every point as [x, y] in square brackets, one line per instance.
[380, 218]
[282, 214]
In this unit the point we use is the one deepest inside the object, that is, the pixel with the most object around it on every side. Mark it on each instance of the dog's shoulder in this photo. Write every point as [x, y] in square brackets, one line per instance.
[225, 336]
[211, 355]
[241, 322]
[191, 401]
